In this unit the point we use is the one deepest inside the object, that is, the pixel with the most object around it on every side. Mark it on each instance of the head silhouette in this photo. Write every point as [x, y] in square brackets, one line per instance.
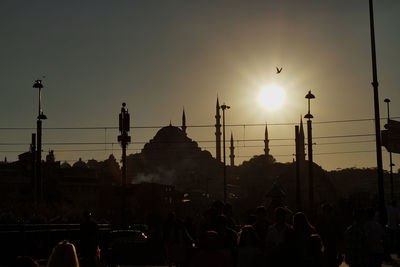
[63, 255]
[211, 241]
[25, 261]
[261, 212]
[218, 206]
[248, 236]
[280, 215]
[301, 223]
[227, 209]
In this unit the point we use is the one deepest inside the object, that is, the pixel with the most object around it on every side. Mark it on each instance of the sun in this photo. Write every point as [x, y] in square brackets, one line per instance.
[272, 97]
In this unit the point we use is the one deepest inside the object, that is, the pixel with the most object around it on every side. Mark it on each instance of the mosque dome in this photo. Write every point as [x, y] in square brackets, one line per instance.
[171, 133]
[170, 139]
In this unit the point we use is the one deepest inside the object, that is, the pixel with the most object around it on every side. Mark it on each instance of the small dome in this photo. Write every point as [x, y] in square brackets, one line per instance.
[79, 164]
[65, 165]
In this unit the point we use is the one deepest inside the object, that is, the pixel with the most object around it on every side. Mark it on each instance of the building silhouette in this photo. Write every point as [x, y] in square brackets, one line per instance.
[171, 157]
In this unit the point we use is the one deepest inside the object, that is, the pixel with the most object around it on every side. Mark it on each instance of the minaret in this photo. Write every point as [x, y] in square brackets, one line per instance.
[266, 142]
[184, 121]
[232, 156]
[302, 147]
[218, 132]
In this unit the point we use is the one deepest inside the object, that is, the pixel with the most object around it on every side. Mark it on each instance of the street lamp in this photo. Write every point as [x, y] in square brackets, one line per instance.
[378, 143]
[308, 116]
[223, 107]
[39, 180]
[387, 101]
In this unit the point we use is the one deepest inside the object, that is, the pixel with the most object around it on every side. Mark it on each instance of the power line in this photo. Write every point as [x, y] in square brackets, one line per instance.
[205, 147]
[237, 156]
[190, 126]
[345, 152]
[324, 153]
[343, 136]
[349, 142]
[202, 141]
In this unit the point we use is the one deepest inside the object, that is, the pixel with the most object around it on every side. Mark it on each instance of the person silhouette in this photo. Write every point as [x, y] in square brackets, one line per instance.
[249, 253]
[25, 261]
[63, 255]
[211, 252]
[89, 240]
[278, 241]
[356, 241]
[308, 245]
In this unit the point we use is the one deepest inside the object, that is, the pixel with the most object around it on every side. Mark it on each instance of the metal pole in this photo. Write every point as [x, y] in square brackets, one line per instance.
[298, 196]
[33, 152]
[39, 183]
[387, 101]
[39, 150]
[381, 196]
[124, 188]
[39, 160]
[310, 167]
[391, 176]
[124, 138]
[223, 107]
[308, 116]
[124, 178]
[223, 137]
[40, 100]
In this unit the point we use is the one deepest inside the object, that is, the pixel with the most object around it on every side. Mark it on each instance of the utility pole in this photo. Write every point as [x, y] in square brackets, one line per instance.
[298, 192]
[33, 153]
[232, 155]
[387, 101]
[39, 179]
[124, 139]
[308, 116]
[381, 196]
[223, 107]
[218, 132]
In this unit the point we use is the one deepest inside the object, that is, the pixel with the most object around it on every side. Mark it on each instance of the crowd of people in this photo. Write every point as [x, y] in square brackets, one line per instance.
[282, 239]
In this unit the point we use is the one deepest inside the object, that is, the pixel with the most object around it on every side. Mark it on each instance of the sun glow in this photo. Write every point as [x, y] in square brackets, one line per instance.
[272, 97]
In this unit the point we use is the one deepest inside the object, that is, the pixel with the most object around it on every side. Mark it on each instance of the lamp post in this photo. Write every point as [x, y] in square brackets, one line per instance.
[298, 191]
[378, 142]
[308, 116]
[387, 101]
[223, 107]
[39, 179]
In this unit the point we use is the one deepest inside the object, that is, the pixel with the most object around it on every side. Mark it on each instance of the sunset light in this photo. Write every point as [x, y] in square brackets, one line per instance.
[200, 133]
[272, 97]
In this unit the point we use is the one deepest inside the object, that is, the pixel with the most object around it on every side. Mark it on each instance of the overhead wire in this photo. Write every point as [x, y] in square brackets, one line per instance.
[191, 126]
[105, 128]
[199, 141]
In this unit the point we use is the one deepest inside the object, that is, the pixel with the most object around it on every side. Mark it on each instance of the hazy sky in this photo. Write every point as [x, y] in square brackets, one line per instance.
[158, 56]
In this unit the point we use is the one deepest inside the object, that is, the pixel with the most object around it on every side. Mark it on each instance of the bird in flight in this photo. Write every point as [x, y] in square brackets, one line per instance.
[278, 70]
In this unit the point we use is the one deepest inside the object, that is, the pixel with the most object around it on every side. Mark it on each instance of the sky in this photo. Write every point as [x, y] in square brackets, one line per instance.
[162, 56]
